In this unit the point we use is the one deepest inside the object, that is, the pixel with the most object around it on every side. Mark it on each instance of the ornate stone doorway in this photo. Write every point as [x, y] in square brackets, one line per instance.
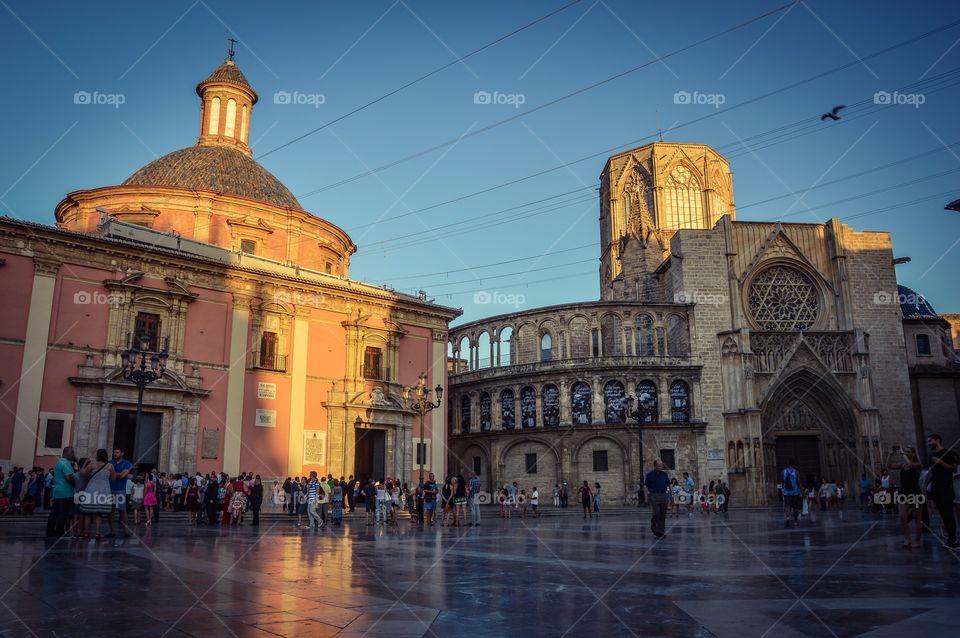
[807, 416]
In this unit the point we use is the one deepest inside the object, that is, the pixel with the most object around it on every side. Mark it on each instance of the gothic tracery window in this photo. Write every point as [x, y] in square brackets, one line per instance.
[580, 404]
[485, 404]
[614, 403]
[551, 405]
[528, 407]
[684, 200]
[783, 298]
[647, 401]
[508, 410]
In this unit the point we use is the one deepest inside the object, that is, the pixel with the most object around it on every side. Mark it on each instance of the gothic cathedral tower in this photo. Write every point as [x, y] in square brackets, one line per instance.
[646, 195]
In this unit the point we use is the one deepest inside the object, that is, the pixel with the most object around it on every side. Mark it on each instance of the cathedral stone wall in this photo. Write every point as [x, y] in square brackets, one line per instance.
[699, 276]
[872, 286]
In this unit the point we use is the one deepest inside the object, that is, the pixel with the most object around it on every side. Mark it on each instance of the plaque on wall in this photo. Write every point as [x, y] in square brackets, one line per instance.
[314, 447]
[266, 418]
[266, 390]
[715, 454]
[210, 446]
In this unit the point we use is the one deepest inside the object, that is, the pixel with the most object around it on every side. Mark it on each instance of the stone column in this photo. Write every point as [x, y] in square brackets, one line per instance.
[233, 424]
[298, 391]
[663, 399]
[30, 387]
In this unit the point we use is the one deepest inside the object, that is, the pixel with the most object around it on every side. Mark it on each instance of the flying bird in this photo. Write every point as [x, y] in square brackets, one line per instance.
[833, 114]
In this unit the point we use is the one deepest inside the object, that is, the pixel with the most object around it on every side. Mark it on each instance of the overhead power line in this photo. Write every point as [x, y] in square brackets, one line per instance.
[420, 79]
[550, 103]
[677, 127]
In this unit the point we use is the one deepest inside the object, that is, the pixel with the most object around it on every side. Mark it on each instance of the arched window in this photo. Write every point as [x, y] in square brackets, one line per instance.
[645, 342]
[581, 408]
[551, 405]
[546, 347]
[508, 410]
[647, 401]
[485, 420]
[213, 125]
[465, 414]
[678, 342]
[614, 405]
[528, 407]
[684, 200]
[504, 337]
[923, 344]
[229, 127]
[483, 350]
[244, 133]
[679, 402]
[465, 358]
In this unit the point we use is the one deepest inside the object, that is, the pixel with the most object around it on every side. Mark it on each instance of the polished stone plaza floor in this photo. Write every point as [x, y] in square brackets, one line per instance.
[742, 575]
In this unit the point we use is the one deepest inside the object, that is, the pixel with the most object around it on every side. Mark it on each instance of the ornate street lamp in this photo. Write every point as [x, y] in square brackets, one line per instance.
[142, 367]
[637, 416]
[417, 400]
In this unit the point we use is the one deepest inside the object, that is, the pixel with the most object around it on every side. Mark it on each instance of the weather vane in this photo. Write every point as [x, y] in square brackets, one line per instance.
[230, 52]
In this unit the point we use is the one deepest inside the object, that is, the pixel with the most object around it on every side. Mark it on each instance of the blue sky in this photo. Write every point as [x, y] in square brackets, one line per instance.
[153, 54]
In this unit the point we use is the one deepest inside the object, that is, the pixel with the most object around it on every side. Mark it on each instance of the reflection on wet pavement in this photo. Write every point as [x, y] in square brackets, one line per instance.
[744, 575]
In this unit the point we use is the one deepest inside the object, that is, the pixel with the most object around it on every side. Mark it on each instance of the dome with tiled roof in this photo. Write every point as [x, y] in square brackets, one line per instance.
[220, 169]
[913, 305]
[221, 161]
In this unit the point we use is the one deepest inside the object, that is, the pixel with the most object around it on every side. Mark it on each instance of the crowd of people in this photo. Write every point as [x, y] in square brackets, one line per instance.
[102, 496]
[920, 491]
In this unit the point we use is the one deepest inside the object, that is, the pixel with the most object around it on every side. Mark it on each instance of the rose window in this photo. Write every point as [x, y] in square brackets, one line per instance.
[783, 298]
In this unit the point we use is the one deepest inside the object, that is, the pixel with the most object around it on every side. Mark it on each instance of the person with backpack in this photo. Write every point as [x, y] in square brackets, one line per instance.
[792, 500]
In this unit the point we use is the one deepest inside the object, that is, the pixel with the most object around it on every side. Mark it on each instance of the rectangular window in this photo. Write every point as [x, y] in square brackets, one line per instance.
[371, 362]
[531, 463]
[669, 459]
[595, 342]
[328, 268]
[600, 461]
[421, 454]
[476, 465]
[269, 356]
[148, 325]
[53, 437]
[248, 246]
[923, 344]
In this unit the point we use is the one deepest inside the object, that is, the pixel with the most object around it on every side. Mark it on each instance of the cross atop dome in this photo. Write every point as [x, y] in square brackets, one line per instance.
[227, 101]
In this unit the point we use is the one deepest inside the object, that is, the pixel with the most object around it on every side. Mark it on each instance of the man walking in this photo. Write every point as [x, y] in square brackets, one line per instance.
[313, 500]
[792, 501]
[658, 483]
[943, 462]
[118, 490]
[689, 486]
[475, 500]
[61, 505]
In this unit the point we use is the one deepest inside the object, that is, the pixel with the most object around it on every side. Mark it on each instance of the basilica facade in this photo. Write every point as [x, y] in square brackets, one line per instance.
[276, 361]
[722, 347]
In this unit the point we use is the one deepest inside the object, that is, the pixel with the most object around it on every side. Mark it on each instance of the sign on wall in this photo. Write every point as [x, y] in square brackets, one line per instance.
[314, 447]
[266, 390]
[210, 446]
[266, 418]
